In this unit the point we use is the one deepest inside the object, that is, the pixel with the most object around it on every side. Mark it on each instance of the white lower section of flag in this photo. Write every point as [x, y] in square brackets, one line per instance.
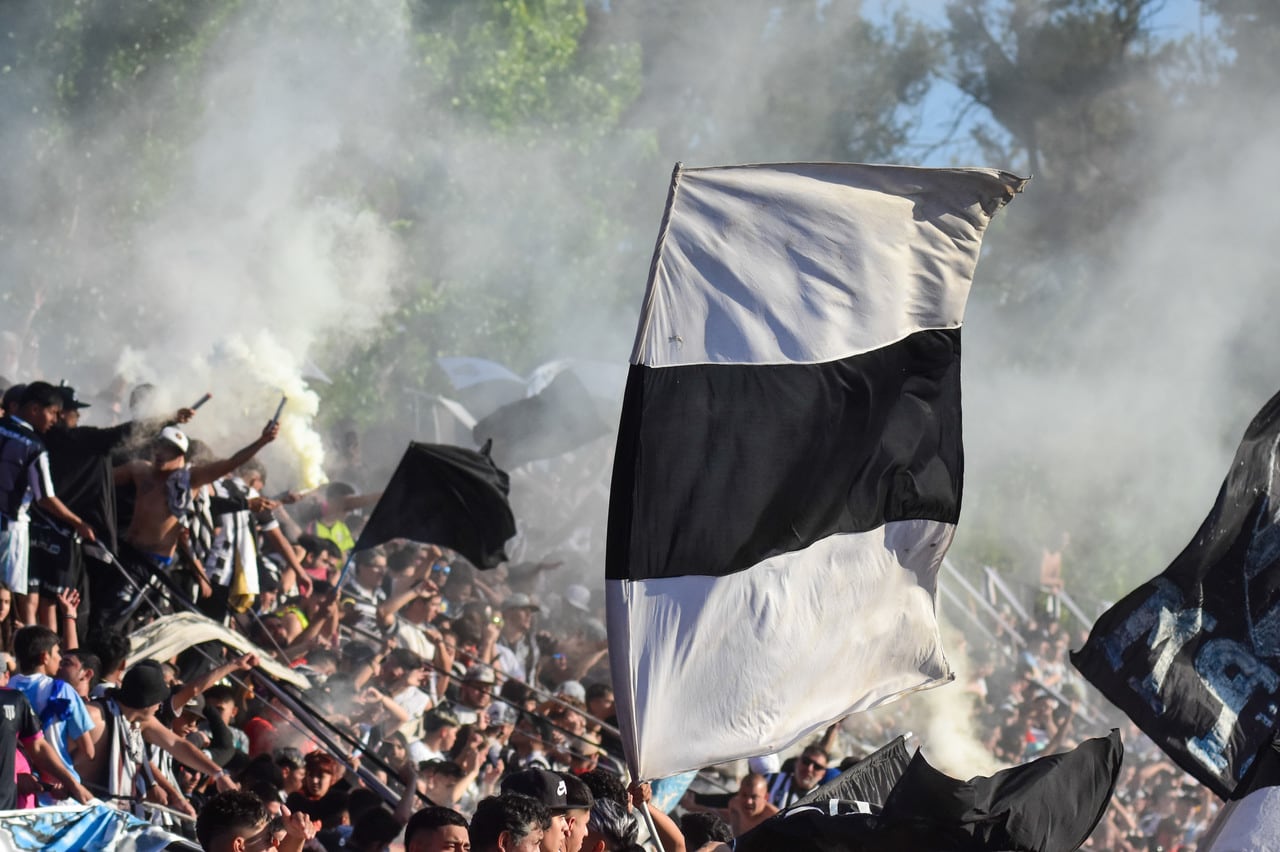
[722, 668]
[1249, 825]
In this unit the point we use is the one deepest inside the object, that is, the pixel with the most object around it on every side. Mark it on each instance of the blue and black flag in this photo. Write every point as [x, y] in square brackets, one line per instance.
[1193, 655]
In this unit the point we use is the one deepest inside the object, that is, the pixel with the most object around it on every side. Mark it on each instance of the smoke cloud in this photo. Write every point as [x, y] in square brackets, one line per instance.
[268, 231]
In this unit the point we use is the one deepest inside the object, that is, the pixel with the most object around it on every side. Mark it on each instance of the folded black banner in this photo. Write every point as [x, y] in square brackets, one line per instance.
[1049, 805]
[869, 780]
[1193, 655]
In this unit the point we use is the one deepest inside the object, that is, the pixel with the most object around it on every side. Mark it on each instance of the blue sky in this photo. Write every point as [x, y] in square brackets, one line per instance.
[1170, 19]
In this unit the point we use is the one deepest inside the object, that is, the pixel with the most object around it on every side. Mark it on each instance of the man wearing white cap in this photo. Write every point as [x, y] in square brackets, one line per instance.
[517, 645]
[164, 493]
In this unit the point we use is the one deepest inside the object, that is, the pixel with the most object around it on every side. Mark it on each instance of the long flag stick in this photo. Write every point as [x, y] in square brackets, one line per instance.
[315, 718]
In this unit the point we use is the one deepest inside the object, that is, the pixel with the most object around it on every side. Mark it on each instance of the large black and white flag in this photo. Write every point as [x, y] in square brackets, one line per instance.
[789, 461]
[1193, 655]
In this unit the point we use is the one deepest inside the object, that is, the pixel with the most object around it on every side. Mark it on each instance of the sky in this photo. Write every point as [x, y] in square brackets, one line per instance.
[937, 144]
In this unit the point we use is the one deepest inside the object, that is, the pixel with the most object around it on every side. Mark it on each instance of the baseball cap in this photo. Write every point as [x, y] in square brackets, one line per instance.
[142, 686]
[547, 787]
[195, 706]
[175, 436]
[519, 601]
[288, 756]
[480, 674]
[578, 597]
[577, 793]
[572, 689]
[69, 401]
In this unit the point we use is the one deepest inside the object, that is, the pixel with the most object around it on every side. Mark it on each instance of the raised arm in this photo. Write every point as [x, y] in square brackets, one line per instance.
[387, 609]
[185, 753]
[207, 473]
[200, 684]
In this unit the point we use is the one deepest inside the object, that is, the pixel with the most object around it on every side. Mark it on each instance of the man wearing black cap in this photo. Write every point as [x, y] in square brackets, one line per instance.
[129, 715]
[553, 792]
[580, 802]
[25, 480]
[80, 463]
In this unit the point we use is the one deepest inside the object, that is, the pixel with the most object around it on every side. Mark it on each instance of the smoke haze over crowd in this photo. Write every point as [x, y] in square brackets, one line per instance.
[281, 186]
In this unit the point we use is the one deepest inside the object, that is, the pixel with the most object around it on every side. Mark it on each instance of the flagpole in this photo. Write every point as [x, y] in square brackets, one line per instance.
[300, 715]
[345, 572]
[653, 829]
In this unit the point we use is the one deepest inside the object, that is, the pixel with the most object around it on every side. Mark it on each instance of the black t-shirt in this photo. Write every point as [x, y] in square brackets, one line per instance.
[80, 464]
[17, 722]
[332, 803]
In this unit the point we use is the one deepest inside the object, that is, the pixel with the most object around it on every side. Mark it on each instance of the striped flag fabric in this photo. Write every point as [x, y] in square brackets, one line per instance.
[72, 828]
[789, 462]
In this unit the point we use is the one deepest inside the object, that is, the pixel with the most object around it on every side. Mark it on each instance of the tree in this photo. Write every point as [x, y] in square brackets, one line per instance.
[728, 81]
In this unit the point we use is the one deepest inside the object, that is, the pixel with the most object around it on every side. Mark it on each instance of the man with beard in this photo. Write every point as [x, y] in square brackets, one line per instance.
[810, 768]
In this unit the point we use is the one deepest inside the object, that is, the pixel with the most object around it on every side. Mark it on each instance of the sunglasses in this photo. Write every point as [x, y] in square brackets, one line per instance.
[812, 764]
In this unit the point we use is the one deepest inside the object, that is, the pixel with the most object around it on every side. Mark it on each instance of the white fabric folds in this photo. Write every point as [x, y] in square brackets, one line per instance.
[789, 460]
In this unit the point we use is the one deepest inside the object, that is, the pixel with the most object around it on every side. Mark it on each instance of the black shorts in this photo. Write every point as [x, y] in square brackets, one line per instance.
[56, 562]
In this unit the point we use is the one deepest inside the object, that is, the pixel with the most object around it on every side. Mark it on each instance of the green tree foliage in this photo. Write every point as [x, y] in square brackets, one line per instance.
[755, 80]
[1069, 88]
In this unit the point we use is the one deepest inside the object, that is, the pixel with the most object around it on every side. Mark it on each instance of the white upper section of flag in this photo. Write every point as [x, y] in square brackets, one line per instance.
[807, 263]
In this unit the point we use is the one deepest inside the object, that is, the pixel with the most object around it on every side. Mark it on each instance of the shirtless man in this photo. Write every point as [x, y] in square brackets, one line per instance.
[125, 719]
[746, 809]
[164, 486]
[750, 806]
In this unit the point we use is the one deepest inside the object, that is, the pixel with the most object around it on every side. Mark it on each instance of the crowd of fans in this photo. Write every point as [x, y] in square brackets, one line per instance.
[447, 709]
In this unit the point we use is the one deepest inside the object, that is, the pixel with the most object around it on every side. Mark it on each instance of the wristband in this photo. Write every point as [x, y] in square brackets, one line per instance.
[222, 773]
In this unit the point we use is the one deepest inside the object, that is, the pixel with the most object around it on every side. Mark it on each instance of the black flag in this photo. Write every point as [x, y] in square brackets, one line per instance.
[869, 780]
[1251, 820]
[1193, 656]
[1049, 805]
[448, 496]
[561, 418]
